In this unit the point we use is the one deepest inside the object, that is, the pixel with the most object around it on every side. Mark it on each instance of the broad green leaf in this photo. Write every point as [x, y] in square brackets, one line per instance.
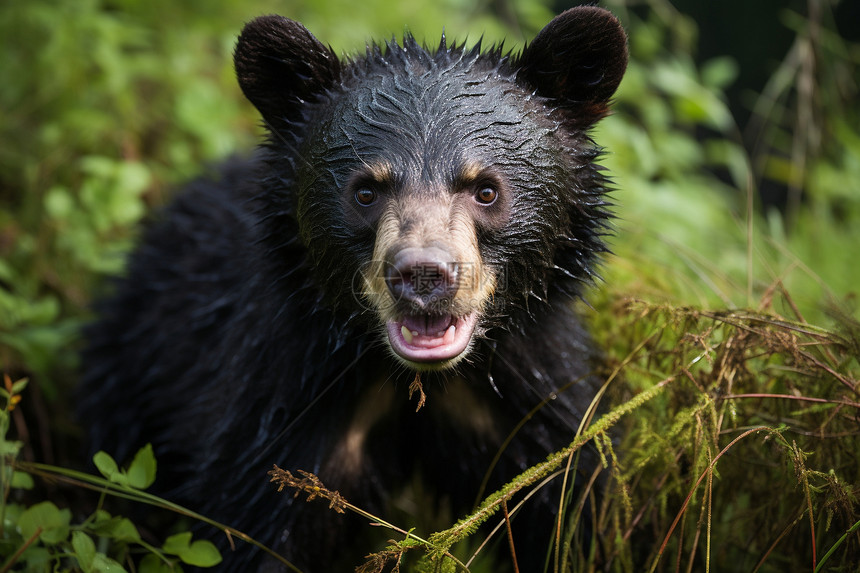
[176, 544]
[104, 564]
[58, 203]
[22, 480]
[108, 468]
[53, 522]
[141, 473]
[102, 515]
[10, 448]
[90, 560]
[200, 553]
[122, 529]
[117, 528]
[85, 550]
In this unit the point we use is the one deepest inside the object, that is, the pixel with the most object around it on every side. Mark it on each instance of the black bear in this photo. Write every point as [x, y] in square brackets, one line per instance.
[413, 210]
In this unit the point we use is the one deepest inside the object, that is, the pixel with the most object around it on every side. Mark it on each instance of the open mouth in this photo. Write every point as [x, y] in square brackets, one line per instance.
[431, 338]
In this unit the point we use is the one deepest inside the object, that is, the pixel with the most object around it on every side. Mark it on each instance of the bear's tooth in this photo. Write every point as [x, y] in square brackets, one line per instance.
[407, 335]
[450, 334]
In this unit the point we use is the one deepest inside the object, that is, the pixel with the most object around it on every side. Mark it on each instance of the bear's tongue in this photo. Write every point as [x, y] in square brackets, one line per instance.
[429, 338]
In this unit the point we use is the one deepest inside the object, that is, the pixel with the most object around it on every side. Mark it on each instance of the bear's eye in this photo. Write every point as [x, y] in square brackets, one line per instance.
[365, 196]
[486, 196]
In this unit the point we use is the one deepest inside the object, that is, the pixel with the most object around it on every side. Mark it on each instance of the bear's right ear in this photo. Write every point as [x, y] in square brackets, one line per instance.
[578, 60]
[280, 65]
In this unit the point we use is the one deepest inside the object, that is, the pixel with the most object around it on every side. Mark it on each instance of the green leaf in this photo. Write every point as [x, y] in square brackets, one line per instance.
[58, 203]
[176, 544]
[22, 480]
[108, 467]
[90, 560]
[104, 564]
[141, 473]
[122, 529]
[85, 550]
[201, 553]
[18, 387]
[45, 516]
[10, 447]
[102, 515]
[719, 73]
[116, 528]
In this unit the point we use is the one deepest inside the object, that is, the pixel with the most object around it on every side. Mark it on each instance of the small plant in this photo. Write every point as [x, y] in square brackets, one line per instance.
[41, 536]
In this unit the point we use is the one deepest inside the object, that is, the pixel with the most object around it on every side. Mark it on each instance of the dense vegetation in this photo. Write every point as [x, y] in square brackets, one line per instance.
[728, 311]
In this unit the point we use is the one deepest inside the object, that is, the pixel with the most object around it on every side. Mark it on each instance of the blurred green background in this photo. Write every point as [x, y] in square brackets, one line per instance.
[734, 146]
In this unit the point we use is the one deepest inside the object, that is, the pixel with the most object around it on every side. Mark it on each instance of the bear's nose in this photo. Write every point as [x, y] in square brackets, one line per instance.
[424, 277]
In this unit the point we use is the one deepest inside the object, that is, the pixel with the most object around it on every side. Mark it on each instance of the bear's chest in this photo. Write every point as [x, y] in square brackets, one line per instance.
[384, 431]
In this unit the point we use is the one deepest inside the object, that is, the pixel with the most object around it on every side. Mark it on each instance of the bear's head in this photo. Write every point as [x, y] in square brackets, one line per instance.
[440, 194]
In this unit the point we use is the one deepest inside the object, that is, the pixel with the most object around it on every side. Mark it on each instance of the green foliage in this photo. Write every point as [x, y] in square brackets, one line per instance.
[690, 231]
[41, 536]
[140, 474]
[106, 110]
[107, 105]
[200, 553]
[45, 523]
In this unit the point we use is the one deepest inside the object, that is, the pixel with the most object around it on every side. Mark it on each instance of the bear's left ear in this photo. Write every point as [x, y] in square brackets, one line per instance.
[280, 66]
[578, 59]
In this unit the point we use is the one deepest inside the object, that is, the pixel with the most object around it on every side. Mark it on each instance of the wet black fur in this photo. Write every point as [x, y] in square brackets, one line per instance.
[235, 339]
